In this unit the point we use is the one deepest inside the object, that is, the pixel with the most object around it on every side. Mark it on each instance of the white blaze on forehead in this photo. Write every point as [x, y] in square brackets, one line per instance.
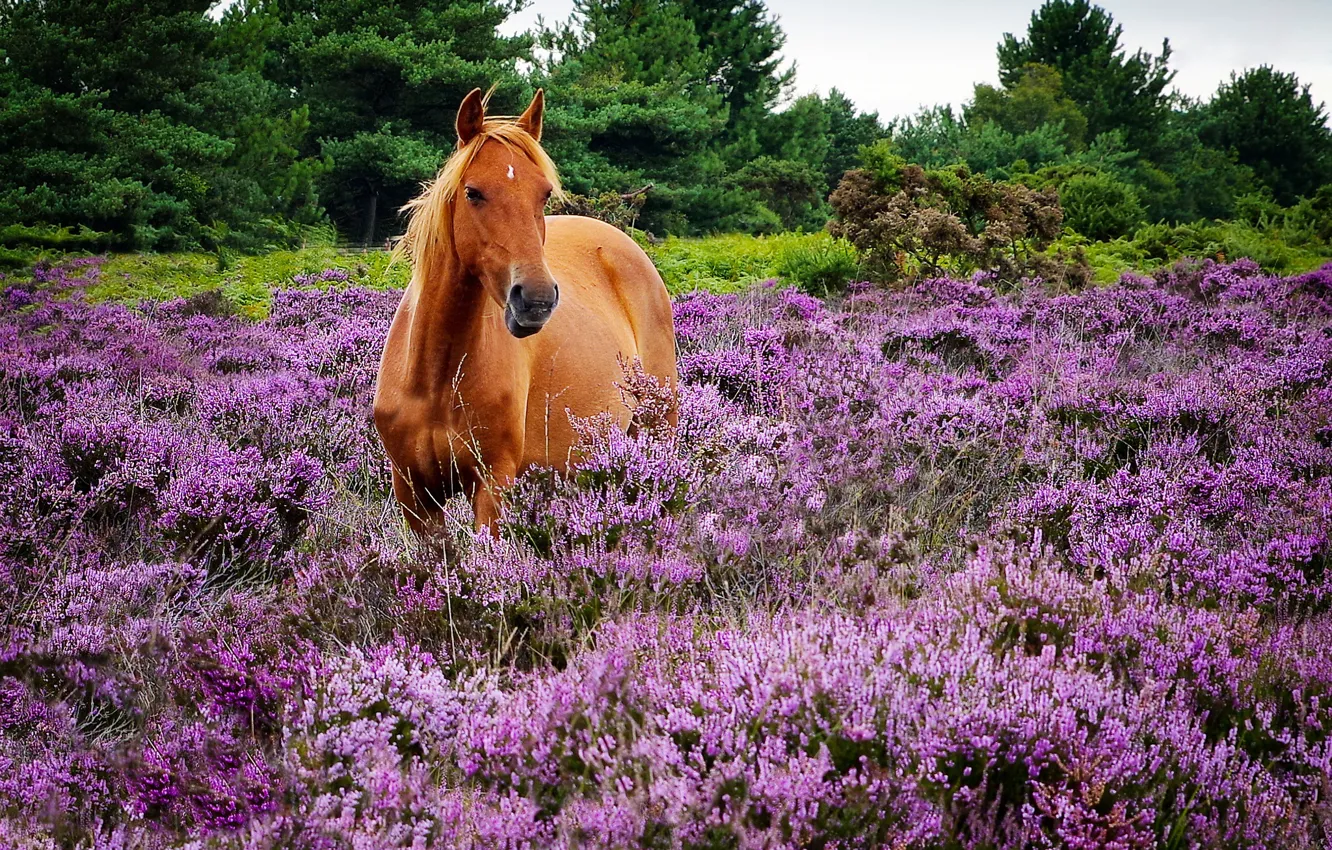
[510, 172]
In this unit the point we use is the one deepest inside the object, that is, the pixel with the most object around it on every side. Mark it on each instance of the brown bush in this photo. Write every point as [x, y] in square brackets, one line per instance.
[620, 210]
[911, 222]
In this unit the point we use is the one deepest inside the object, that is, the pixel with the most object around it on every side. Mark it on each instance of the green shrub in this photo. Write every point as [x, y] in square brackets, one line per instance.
[1100, 207]
[813, 261]
[1107, 261]
[818, 264]
[22, 245]
[46, 236]
[715, 263]
[246, 281]
[1166, 243]
[1310, 221]
[791, 189]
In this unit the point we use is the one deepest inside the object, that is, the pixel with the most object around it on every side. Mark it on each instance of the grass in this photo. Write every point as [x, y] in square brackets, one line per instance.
[815, 262]
[1157, 245]
[727, 263]
[247, 282]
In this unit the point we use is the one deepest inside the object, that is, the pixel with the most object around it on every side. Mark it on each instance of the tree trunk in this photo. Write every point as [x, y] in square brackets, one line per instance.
[371, 208]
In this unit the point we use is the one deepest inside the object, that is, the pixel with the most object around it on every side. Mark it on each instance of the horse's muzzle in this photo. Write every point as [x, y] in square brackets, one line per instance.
[528, 309]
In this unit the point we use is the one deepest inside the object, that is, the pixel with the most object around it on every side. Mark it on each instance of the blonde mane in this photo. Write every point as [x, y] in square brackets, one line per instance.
[429, 237]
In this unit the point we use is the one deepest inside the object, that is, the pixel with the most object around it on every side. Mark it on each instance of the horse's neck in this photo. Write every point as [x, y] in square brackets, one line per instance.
[447, 330]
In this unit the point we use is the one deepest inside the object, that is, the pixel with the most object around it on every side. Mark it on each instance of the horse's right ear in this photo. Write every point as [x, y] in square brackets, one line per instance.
[471, 115]
[530, 120]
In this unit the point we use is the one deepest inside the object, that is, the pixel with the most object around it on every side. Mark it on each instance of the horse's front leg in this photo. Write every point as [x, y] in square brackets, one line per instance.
[405, 493]
[488, 500]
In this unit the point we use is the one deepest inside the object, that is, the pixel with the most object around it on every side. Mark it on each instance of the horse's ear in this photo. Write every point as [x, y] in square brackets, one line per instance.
[471, 115]
[531, 119]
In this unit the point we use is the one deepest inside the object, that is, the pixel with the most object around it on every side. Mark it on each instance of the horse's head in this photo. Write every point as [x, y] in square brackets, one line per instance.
[499, 223]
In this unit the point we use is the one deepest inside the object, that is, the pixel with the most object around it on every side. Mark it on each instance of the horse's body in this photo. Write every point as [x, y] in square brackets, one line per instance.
[470, 394]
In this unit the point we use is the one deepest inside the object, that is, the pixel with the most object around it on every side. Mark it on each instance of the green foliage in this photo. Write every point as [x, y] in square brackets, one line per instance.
[1271, 123]
[789, 187]
[1276, 246]
[1000, 155]
[146, 120]
[1035, 101]
[934, 137]
[816, 262]
[23, 245]
[64, 238]
[1190, 181]
[1310, 220]
[1100, 207]
[715, 264]
[1113, 90]
[883, 162]
[382, 83]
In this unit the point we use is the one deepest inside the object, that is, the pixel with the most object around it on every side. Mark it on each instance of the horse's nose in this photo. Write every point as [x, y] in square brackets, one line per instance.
[529, 307]
[534, 298]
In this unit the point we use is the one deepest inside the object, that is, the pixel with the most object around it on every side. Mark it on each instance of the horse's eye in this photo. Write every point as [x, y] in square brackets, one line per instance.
[474, 195]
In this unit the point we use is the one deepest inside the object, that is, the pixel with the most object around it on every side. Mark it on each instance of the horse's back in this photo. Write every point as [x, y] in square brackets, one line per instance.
[607, 268]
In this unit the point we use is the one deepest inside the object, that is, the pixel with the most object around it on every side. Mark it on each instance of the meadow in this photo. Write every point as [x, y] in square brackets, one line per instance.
[947, 565]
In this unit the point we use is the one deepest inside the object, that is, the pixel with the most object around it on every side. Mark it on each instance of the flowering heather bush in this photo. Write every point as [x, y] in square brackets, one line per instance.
[935, 568]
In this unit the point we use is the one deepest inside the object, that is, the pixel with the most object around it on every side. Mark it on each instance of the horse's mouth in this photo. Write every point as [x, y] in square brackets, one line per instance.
[526, 324]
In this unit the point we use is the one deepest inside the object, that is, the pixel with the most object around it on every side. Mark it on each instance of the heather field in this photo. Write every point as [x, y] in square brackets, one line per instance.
[941, 567]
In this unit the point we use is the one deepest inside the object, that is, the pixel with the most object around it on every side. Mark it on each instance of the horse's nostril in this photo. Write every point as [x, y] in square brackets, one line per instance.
[536, 300]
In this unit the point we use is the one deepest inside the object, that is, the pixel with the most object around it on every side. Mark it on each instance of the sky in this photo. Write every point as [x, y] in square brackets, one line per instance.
[895, 56]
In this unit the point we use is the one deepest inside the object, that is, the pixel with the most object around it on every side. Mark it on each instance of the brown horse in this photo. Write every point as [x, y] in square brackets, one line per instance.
[513, 322]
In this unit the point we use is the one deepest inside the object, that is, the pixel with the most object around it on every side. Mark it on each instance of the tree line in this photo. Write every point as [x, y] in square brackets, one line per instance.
[157, 124]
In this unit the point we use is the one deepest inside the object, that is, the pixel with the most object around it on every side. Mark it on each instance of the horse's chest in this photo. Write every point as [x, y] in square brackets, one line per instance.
[442, 439]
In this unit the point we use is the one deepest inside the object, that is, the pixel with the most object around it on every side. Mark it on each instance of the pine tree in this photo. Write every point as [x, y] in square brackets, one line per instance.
[1115, 91]
[133, 118]
[629, 105]
[742, 47]
[382, 83]
[1271, 123]
[849, 130]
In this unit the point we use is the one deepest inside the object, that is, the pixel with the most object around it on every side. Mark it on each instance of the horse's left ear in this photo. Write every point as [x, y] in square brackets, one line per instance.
[531, 119]
[471, 115]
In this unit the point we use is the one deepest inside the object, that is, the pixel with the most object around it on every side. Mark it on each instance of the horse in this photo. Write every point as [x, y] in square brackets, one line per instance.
[513, 323]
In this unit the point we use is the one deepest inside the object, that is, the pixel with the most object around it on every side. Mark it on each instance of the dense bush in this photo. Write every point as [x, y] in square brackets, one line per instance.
[615, 208]
[930, 568]
[815, 262]
[1100, 207]
[907, 221]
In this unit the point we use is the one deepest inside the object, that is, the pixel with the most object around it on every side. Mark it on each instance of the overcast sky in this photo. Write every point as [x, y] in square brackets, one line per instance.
[894, 56]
